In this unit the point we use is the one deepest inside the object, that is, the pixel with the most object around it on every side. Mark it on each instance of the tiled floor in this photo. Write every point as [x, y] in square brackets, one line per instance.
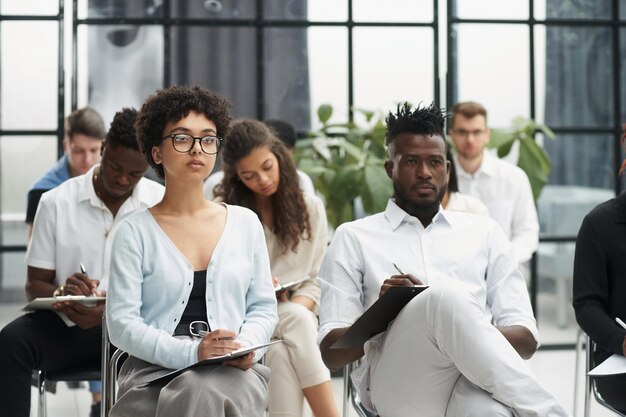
[554, 369]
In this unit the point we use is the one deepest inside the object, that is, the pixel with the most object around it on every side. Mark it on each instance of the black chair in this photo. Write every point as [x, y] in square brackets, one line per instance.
[77, 374]
[590, 386]
[107, 374]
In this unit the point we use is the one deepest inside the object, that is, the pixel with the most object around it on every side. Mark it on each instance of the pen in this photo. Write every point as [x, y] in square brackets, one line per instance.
[83, 270]
[398, 269]
[620, 322]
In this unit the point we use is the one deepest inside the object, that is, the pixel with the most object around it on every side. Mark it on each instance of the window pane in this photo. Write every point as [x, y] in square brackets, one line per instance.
[29, 7]
[119, 8]
[622, 9]
[381, 78]
[312, 10]
[622, 34]
[222, 59]
[491, 9]
[579, 9]
[393, 11]
[582, 160]
[13, 275]
[328, 72]
[296, 83]
[579, 80]
[119, 66]
[23, 159]
[214, 9]
[493, 69]
[29, 67]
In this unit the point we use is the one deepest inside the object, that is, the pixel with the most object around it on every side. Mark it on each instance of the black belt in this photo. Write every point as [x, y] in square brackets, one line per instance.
[184, 329]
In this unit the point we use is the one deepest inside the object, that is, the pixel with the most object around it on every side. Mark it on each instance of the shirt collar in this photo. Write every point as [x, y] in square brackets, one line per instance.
[85, 188]
[487, 166]
[86, 191]
[396, 216]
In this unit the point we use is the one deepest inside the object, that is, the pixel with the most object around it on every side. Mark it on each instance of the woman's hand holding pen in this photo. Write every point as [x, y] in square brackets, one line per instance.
[402, 280]
[217, 343]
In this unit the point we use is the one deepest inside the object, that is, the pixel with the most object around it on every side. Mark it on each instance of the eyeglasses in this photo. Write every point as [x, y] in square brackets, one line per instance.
[198, 328]
[184, 143]
[466, 133]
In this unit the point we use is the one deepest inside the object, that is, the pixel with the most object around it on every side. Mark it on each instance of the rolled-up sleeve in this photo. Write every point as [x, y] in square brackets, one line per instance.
[507, 294]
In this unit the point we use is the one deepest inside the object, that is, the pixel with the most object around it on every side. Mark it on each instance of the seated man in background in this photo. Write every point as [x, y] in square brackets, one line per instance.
[84, 132]
[287, 134]
[456, 349]
[503, 187]
[70, 229]
[599, 292]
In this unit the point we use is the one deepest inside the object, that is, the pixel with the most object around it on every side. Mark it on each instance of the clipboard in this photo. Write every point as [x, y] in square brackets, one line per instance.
[212, 361]
[45, 303]
[377, 318]
[287, 285]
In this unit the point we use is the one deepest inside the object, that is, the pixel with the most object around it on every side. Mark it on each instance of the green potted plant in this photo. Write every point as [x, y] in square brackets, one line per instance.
[533, 159]
[345, 162]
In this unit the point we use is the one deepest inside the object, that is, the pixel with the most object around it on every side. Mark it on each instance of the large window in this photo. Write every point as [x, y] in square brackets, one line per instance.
[558, 62]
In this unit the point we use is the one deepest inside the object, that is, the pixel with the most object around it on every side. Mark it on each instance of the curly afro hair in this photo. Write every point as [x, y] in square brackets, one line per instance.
[421, 121]
[172, 104]
[122, 130]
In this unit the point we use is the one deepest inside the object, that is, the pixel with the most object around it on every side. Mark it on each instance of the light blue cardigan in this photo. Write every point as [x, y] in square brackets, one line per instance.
[150, 282]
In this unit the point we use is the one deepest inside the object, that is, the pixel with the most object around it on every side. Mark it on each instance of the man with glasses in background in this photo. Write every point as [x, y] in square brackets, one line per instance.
[503, 187]
[84, 133]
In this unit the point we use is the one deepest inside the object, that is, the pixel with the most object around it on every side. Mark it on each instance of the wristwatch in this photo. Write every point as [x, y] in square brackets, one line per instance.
[58, 291]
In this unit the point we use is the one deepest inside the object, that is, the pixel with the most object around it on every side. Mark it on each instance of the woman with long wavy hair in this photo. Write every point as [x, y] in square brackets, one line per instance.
[260, 175]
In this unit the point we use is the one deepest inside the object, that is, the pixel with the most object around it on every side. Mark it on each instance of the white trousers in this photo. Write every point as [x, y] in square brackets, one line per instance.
[442, 337]
[296, 363]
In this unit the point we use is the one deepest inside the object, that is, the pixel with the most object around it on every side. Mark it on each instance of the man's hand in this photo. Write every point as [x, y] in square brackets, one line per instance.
[336, 358]
[404, 280]
[80, 284]
[521, 339]
[624, 346]
[83, 316]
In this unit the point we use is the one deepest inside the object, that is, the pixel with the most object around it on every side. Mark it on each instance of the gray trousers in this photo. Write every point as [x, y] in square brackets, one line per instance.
[215, 391]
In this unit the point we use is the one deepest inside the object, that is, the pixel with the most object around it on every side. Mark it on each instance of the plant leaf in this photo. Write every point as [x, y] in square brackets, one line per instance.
[376, 188]
[324, 111]
[536, 163]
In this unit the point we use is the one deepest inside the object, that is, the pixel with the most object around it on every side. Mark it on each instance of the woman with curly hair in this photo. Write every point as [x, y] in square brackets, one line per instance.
[189, 278]
[260, 175]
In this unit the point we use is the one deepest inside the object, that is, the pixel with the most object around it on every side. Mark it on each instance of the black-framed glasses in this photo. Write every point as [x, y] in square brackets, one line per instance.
[184, 143]
[198, 328]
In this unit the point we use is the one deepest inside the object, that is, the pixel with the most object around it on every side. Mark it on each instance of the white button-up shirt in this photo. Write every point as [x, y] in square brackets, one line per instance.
[72, 225]
[456, 249]
[505, 190]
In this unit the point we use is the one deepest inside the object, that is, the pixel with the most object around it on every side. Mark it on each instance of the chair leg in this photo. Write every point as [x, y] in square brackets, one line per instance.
[588, 382]
[41, 385]
[579, 347]
[346, 390]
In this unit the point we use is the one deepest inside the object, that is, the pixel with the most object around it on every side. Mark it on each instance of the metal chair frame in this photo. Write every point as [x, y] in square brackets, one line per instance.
[590, 387]
[351, 394]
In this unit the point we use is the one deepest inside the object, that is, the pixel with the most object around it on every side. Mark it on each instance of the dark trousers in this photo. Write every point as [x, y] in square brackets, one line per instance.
[40, 340]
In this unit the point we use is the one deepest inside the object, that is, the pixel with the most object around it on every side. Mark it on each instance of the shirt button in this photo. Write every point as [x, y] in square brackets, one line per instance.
[210, 281]
[210, 298]
[175, 319]
[189, 283]
[210, 316]
[183, 302]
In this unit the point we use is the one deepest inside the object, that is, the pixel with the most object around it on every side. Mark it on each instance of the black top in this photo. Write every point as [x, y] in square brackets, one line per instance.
[33, 202]
[196, 305]
[600, 274]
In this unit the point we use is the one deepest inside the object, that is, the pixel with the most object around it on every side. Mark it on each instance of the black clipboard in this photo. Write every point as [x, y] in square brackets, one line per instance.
[376, 319]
